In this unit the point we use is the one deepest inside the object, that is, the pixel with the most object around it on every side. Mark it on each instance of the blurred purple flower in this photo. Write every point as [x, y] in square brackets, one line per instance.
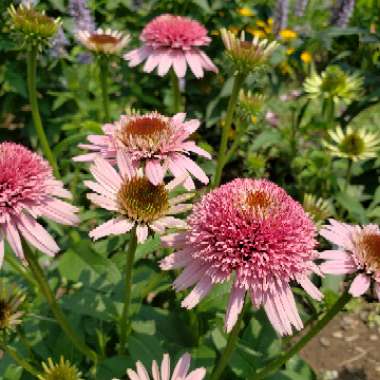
[342, 12]
[84, 58]
[272, 119]
[29, 3]
[82, 16]
[59, 43]
[281, 15]
[300, 7]
[292, 95]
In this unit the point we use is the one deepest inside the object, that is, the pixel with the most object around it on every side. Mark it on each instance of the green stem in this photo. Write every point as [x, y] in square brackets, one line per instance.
[31, 74]
[348, 174]
[132, 245]
[276, 364]
[54, 306]
[176, 92]
[18, 359]
[238, 82]
[103, 77]
[228, 350]
[235, 145]
[15, 264]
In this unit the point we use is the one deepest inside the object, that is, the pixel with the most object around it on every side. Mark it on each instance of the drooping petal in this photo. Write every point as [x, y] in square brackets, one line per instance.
[165, 367]
[111, 227]
[154, 171]
[182, 367]
[197, 374]
[1, 249]
[195, 63]
[132, 375]
[200, 291]
[179, 63]
[60, 211]
[141, 371]
[13, 239]
[360, 285]
[310, 288]
[142, 233]
[126, 167]
[234, 308]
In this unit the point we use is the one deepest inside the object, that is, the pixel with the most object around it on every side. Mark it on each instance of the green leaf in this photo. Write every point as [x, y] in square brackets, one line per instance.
[145, 348]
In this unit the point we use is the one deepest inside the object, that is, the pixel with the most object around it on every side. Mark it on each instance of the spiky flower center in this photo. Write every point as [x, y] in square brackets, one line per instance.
[257, 203]
[144, 126]
[142, 201]
[103, 39]
[5, 314]
[370, 247]
[61, 371]
[334, 80]
[352, 144]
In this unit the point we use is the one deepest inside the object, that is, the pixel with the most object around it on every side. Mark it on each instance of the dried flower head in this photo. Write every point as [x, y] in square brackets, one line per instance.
[357, 252]
[334, 84]
[180, 372]
[36, 28]
[318, 209]
[354, 144]
[103, 41]
[29, 190]
[156, 141]
[63, 370]
[247, 56]
[254, 232]
[173, 41]
[135, 200]
[11, 300]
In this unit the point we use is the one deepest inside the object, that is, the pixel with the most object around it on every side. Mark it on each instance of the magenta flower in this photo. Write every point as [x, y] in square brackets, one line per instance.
[357, 251]
[254, 232]
[158, 142]
[136, 201]
[180, 370]
[29, 190]
[173, 41]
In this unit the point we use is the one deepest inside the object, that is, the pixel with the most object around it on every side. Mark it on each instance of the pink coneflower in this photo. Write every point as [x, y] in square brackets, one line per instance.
[136, 201]
[170, 40]
[253, 231]
[158, 142]
[358, 252]
[29, 190]
[163, 373]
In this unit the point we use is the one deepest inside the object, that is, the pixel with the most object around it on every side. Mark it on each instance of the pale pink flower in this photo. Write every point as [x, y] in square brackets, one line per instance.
[180, 372]
[136, 201]
[29, 190]
[157, 142]
[253, 232]
[173, 41]
[357, 251]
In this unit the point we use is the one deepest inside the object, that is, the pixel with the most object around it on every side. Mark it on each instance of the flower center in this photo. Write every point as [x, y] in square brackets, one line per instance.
[142, 201]
[352, 144]
[257, 202]
[370, 246]
[144, 126]
[102, 39]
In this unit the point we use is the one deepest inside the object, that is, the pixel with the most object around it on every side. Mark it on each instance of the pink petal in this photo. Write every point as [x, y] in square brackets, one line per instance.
[197, 374]
[191, 147]
[153, 60]
[277, 315]
[170, 222]
[165, 64]
[190, 276]
[165, 367]
[127, 168]
[334, 255]
[177, 259]
[360, 285]
[13, 239]
[338, 233]
[60, 212]
[1, 249]
[179, 64]
[105, 174]
[200, 291]
[186, 163]
[106, 203]
[310, 288]
[111, 227]
[182, 367]
[37, 235]
[179, 118]
[98, 188]
[235, 305]
[337, 267]
[195, 62]
[207, 63]
[142, 233]
[175, 240]
[154, 171]
[141, 371]
[191, 126]
[155, 371]
[136, 56]
[290, 307]
[132, 375]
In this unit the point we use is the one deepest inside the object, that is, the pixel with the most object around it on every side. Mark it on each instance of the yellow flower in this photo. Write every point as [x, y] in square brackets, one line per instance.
[262, 29]
[288, 34]
[290, 51]
[246, 12]
[355, 145]
[62, 370]
[334, 84]
[306, 57]
[256, 32]
[319, 209]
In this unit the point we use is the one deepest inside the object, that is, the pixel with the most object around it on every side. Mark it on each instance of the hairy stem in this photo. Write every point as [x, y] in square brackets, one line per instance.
[54, 306]
[238, 82]
[132, 245]
[31, 79]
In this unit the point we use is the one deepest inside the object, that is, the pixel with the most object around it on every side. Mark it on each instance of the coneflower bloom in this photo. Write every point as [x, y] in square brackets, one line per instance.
[29, 190]
[156, 141]
[134, 199]
[357, 252]
[173, 41]
[61, 370]
[103, 41]
[247, 56]
[180, 372]
[254, 232]
[11, 300]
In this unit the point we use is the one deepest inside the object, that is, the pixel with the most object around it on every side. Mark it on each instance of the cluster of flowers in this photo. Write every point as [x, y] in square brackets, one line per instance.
[247, 231]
